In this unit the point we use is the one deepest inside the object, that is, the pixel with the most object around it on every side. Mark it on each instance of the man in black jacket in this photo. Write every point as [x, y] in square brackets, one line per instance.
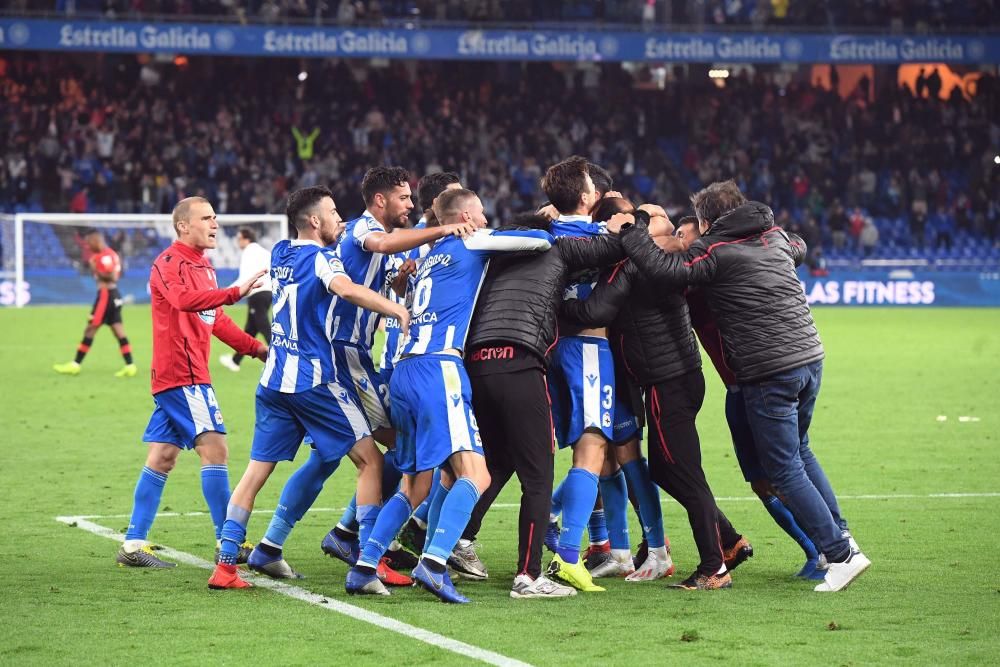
[512, 331]
[746, 266]
[652, 328]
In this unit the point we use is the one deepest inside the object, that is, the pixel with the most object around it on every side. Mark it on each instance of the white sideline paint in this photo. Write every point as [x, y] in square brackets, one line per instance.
[323, 602]
[663, 499]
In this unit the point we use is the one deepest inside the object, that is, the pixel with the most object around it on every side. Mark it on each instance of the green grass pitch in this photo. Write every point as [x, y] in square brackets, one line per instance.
[71, 446]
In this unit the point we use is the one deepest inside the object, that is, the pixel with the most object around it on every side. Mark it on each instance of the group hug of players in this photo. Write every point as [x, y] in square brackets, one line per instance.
[578, 321]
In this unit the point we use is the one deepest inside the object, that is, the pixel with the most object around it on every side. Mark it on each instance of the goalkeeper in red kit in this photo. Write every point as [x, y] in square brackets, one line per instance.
[107, 268]
[187, 312]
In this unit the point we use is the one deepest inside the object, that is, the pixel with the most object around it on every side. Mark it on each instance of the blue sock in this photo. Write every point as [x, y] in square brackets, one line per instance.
[367, 515]
[434, 512]
[454, 517]
[557, 502]
[614, 492]
[215, 488]
[390, 519]
[349, 519]
[424, 508]
[650, 512]
[148, 490]
[783, 517]
[234, 533]
[579, 494]
[298, 495]
[597, 527]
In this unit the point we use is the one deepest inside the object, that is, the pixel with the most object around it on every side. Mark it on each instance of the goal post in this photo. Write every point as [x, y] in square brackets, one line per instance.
[49, 259]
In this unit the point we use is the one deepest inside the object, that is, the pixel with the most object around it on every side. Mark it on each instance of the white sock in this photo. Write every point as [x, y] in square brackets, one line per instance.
[621, 555]
[659, 552]
[464, 543]
[133, 545]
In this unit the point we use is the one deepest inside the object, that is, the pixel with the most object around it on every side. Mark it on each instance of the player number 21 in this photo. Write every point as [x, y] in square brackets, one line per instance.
[287, 297]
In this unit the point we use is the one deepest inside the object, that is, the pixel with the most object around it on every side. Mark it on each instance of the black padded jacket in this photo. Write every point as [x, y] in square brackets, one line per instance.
[746, 266]
[520, 298]
[650, 326]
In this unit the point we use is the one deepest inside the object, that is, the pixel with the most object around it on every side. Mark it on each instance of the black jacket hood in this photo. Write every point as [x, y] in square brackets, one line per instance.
[749, 219]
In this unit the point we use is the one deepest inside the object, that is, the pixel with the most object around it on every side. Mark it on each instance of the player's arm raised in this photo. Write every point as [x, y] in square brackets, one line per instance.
[509, 240]
[169, 278]
[692, 267]
[402, 240]
[232, 335]
[590, 252]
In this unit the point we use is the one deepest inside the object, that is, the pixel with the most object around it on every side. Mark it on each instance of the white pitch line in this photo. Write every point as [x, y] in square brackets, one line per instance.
[323, 602]
[664, 499]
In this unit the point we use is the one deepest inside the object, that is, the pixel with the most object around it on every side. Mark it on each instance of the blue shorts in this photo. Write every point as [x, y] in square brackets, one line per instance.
[372, 391]
[627, 424]
[182, 414]
[329, 413]
[743, 442]
[582, 387]
[432, 412]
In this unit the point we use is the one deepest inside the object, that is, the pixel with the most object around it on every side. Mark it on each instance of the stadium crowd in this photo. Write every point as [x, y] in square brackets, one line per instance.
[893, 14]
[114, 137]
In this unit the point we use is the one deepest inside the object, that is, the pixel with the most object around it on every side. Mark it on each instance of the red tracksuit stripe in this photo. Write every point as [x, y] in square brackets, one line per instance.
[100, 308]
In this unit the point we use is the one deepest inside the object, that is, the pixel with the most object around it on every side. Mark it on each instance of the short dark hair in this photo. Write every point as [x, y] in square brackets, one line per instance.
[716, 200]
[689, 220]
[247, 233]
[382, 180]
[608, 206]
[603, 182]
[431, 185]
[450, 202]
[301, 202]
[87, 231]
[565, 181]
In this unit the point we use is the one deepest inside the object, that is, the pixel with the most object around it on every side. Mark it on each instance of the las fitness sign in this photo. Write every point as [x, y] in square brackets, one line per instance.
[457, 44]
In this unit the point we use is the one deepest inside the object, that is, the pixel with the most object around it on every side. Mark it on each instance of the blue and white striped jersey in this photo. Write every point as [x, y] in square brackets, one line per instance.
[579, 225]
[392, 331]
[347, 323]
[299, 357]
[448, 283]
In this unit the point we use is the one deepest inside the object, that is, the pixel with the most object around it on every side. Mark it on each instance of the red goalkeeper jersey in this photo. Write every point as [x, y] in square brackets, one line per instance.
[187, 312]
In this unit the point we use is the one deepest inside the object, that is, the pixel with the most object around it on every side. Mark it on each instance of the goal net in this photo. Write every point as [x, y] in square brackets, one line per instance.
[45, 257]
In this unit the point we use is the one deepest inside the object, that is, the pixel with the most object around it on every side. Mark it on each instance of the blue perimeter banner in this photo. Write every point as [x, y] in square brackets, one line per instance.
[874, 288]
[863, 288]
[457, 44]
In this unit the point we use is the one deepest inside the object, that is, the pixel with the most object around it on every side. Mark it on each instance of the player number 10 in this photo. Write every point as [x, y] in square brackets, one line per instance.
[422, 295]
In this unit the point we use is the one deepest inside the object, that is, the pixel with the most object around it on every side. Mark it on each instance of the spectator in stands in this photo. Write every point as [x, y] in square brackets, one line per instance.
[943, 224]
[918, 229]
[79, 203]
[804, 148]
[855, 225]
[696, 13]
[868, 237]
